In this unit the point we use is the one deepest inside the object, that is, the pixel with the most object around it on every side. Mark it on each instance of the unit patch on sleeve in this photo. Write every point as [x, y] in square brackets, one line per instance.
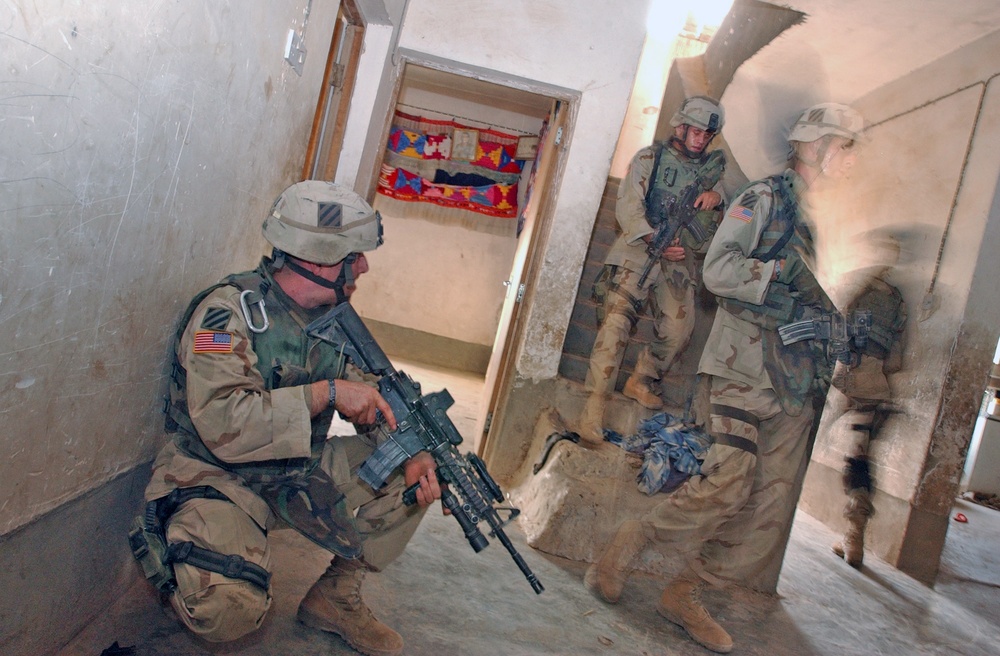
[216, 318]
[210, 341]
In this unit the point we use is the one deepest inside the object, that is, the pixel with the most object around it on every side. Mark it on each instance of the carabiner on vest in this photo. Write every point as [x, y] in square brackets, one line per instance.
[248, 314]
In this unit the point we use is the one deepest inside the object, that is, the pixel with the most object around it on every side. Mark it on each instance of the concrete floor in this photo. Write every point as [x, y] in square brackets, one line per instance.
[445, 599]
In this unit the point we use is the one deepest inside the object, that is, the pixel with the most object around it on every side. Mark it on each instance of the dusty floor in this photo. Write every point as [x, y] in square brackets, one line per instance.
[447, 600]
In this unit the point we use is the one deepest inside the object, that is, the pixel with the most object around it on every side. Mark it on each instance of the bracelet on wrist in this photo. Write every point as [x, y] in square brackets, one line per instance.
[333, 393]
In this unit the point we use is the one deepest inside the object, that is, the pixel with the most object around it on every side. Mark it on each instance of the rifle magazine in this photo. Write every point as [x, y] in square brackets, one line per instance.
[377, 468]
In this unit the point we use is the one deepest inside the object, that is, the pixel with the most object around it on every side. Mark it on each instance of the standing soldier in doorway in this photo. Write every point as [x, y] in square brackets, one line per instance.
[665, 182]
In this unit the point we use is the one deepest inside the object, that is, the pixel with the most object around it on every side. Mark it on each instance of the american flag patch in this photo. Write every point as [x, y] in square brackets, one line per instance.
[209, 341]
[740, 213]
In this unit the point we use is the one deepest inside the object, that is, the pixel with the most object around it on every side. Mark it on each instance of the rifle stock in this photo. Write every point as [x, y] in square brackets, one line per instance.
[422, 424]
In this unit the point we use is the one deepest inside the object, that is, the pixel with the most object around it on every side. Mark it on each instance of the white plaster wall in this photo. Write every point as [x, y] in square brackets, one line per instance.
[440, 279]
[553, 43]
[142, 145]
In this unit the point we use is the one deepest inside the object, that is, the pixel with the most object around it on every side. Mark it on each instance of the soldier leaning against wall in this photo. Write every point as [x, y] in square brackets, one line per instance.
[664, 181]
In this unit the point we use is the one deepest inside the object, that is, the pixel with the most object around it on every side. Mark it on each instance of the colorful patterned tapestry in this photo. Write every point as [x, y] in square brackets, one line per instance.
[492, 199]
[424, 164]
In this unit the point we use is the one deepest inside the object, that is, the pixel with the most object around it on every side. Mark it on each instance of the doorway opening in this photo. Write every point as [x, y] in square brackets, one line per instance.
[446, 286]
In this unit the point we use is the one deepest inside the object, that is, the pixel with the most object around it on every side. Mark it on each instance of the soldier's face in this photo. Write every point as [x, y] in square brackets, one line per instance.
[695, 139]
[332, 272]
[840, 156]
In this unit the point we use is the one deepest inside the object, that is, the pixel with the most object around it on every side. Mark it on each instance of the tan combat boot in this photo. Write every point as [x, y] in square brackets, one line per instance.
[591, 424]
[606, 578]
[334, 604]
[681, 604]
[852, 548]
[639, 388]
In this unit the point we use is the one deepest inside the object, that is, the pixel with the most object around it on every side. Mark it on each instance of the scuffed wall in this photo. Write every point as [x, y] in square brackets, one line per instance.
[143, 143]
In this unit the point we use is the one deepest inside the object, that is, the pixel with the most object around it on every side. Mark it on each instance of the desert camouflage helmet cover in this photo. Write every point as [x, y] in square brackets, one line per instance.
[828, 118]
[701, 112]
[322, 222]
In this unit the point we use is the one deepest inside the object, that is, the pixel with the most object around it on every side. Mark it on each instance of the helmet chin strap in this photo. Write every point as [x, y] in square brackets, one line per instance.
[345, 278]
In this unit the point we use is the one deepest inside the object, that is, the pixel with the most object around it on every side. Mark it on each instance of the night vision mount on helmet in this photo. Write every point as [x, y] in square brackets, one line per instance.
[702, 112]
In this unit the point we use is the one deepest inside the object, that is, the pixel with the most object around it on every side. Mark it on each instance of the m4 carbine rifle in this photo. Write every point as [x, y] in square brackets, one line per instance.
[422, 424]
[669, 213]
[846, 335]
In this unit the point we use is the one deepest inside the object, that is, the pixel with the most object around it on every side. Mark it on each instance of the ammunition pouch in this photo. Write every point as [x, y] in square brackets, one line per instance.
[147, 539]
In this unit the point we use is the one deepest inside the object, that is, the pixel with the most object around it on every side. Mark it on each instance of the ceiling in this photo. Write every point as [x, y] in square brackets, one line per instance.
[856, 46]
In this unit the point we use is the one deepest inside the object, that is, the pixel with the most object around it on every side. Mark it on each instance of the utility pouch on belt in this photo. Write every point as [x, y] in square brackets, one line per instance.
[150, 549]
[602, 285]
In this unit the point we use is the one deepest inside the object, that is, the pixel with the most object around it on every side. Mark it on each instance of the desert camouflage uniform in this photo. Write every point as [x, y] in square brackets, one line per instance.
[241, 422]
[762, 394]
[670, 286]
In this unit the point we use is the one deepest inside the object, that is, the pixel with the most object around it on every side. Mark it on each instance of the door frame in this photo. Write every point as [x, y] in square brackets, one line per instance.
[326, 138]
[495, 398]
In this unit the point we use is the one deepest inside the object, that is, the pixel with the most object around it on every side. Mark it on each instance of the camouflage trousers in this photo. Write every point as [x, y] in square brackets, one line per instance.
[733, 521]
[670, 298]
[221, 609]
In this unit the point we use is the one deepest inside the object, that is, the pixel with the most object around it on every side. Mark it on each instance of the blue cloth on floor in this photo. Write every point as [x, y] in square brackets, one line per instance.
[672, 451]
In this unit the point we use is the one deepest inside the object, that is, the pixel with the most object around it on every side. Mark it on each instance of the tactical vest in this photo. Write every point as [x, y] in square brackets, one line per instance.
[286, 357]
[672, 173]
[798, 369]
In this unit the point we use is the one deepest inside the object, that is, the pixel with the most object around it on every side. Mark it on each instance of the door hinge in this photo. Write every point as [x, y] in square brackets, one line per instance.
[520, 293]
[487, 423]
[558, 135]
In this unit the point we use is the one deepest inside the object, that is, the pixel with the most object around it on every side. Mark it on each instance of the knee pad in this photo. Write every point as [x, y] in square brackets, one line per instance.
[222, 612]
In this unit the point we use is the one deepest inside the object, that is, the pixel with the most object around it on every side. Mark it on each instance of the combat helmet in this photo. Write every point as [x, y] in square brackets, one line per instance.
[702, 112]
[322, 222]
[828, 118]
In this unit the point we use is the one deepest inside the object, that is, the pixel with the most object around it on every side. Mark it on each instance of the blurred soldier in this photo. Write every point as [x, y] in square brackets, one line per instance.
[251, 402]
[865, 393]
[656, 178]
[764, 394]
